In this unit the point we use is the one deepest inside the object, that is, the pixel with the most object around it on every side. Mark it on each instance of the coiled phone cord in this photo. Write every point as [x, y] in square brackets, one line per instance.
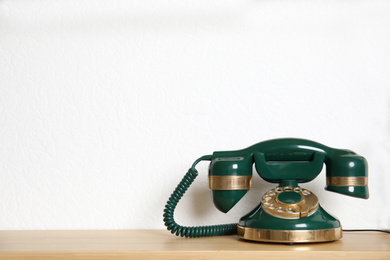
[184, 231]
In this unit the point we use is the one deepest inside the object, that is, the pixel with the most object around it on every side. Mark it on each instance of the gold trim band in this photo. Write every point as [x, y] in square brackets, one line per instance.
[230, 182]
[290, 236]
[347, 181]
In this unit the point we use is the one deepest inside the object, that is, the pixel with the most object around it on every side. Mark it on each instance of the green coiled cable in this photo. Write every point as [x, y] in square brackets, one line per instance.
[184, 231]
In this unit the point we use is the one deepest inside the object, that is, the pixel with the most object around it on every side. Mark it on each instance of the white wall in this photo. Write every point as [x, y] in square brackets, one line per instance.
[104, 105]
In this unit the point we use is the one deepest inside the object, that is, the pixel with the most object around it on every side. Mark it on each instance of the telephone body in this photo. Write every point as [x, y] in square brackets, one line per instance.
[287, 213]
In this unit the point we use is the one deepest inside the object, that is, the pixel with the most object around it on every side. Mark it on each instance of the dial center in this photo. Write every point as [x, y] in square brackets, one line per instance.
[289, 197]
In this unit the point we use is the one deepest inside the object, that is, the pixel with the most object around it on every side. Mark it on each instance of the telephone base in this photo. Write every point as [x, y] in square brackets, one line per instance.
[258, 225]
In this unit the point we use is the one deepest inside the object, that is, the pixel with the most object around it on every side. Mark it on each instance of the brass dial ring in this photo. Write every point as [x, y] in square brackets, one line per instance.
[306, 206]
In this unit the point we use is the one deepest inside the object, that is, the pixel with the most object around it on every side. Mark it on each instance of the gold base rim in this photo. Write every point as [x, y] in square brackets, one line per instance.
[290, 236]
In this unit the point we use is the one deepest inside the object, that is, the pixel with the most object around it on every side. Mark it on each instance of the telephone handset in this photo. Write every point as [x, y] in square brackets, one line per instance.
[288, 213]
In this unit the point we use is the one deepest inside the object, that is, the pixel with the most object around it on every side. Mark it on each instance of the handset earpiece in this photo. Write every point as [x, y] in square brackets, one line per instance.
[230, 177]
[346, 173]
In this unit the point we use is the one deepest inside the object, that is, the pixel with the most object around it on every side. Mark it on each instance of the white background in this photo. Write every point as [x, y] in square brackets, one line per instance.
[104, 105]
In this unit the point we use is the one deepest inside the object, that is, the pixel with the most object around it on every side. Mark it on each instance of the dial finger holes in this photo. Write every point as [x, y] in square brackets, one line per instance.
[306, 192]
[287, 189]
[290, 210]
[271, 193]
[279, 190]
[266, 198]
[271, 206]
[298, 189]
[280, 209]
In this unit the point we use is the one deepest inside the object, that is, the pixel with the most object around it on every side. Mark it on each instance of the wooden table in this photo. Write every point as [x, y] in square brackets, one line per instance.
[160, 244]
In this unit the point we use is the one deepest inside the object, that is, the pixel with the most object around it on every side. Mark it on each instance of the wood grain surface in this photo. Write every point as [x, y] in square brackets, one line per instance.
[160, 244]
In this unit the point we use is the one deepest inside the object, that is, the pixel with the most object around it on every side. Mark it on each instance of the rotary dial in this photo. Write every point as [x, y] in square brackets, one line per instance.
[290, 202]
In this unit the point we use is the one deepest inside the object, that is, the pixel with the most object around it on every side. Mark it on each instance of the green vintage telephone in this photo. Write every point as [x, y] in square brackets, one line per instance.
[288, 213]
